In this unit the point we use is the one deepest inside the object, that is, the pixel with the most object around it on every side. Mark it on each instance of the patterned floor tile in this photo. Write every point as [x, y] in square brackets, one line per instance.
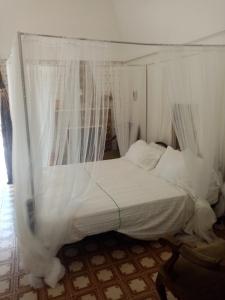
[57, 292]
[5, 255]
[18, 265]
[165, 255]
[77, 266]
[147, 262]
[98, 260]
[6, 244]
[7, 216]
[114, 292]
[23, 281]
[30, 295]
[138, 285]
[118, 254]
[127, 268]
[5, 270]
[105, 275]
[154, 276]
[82, 282]
[6, 234]
[91, 295]
[5, 287]
[138, 249]
[6, 298]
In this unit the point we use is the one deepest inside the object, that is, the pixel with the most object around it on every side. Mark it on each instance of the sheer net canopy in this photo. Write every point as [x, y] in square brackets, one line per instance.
[60, 91]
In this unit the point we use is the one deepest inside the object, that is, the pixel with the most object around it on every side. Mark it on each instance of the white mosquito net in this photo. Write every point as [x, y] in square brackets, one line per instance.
[60, 91]
[128, 92]
[67, 101]
[189, 85]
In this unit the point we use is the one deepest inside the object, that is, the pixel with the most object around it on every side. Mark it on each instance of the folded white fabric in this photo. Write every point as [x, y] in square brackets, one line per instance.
[54, 273]
[202, 221]
[173, 168]
[144, 155]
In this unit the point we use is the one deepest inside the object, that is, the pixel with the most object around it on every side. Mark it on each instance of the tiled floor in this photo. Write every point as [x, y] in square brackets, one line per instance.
[108, 266]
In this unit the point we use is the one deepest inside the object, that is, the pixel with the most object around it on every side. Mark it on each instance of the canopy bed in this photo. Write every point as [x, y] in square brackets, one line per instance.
[61, 91]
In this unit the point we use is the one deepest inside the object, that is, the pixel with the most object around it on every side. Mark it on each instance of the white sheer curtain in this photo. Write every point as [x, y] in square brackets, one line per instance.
[197, 96]
[67, 96]
[128, 84]
[186, 92]
[159, 120]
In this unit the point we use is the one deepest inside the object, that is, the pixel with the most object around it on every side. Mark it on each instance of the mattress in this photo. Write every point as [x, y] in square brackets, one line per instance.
[132, 201]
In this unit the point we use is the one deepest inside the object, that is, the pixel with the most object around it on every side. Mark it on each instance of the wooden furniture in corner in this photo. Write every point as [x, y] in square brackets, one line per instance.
[193, 273]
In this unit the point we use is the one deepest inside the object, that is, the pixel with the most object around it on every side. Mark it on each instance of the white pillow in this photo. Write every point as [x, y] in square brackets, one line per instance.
[143, 155]
[171, 166]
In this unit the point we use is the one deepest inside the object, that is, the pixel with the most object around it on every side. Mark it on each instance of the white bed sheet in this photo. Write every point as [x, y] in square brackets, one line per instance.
[132, 201]
[122, 197]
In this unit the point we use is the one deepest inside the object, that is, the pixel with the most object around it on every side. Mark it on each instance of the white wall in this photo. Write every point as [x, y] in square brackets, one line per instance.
[158, 21]
[76, 18]
[169, 20]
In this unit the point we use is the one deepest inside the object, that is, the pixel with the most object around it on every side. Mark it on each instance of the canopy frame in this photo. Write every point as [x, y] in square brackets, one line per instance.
[19, 37]
[122, 42]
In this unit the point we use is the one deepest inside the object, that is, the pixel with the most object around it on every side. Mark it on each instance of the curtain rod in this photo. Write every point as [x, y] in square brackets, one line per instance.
[206, 37]
[121, 42]
[140, 57]
[188, 43]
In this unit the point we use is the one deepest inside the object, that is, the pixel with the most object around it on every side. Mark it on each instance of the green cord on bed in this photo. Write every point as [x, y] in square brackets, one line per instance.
[118, 211]
[119, 216]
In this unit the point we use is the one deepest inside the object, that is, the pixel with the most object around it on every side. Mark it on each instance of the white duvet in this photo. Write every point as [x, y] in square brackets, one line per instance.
[132, 201]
